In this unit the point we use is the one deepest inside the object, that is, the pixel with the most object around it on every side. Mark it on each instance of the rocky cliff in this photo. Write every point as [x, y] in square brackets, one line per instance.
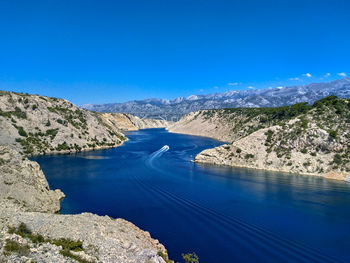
[39, 125]
[128, 122]
[30, 229]
[306, 139]
[23, 184]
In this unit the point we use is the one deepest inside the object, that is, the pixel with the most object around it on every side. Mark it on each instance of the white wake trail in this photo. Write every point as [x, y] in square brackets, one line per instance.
[156, 155]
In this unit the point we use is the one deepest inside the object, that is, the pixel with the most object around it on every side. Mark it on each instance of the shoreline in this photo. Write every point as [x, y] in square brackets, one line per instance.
[269, 170]
[331, 176]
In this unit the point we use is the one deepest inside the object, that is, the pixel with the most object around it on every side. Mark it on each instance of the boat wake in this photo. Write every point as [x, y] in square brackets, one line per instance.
[156, 155]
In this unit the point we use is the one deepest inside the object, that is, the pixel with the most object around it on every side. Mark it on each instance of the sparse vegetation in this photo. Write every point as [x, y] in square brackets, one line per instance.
[68, 245]
[165, 257]
[12, 246]
[18, 113]
[21, 131]
[248, 156]
[315, 130]
[190, 258]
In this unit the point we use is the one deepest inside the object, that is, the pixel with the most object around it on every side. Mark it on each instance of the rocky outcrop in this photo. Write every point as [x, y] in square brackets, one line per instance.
[30, 228]
[23, 184]
[304, 139]
[128, 122]
[196, 123]
[25, 197]
[103, 239]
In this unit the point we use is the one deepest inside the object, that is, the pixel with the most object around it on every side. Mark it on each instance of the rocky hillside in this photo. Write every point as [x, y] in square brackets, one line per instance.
[30, 231]
[23, 184]
[128, 122]
[38, 125]
[308, 139]
[274, 97]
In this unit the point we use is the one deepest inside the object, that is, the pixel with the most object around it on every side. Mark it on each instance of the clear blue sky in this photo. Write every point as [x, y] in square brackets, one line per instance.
[114, 51]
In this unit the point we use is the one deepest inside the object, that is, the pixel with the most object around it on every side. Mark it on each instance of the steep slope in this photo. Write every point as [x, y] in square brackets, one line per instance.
[275, 97]
[30, 231]
[299, 139]
[128, 122]
[38, 125]
[23, 184]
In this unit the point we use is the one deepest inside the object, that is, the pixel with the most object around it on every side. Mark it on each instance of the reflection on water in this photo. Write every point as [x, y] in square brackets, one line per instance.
[224, 214]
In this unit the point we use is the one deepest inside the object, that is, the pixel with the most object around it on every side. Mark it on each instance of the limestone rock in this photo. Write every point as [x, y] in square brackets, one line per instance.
[23, 184]
[302, 139]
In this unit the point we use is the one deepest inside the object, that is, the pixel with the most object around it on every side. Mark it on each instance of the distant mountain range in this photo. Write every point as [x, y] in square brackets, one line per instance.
[274, 97]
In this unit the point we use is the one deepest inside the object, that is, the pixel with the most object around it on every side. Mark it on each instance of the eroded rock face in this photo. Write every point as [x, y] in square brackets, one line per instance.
[104, 239]
[128, 122]
[25, 197]
[30, 125]
[23, 184]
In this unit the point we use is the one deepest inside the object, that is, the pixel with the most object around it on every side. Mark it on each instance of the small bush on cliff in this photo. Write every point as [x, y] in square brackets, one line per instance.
[12, 246]
[190, 258]
[67, 244]
[337, 159]
[333, 134]
[21, 131]
[248, 156]
[24, 232]
[164, 256]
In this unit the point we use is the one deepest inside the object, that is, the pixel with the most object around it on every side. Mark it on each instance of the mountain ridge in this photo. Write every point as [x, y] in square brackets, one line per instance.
[274, 97]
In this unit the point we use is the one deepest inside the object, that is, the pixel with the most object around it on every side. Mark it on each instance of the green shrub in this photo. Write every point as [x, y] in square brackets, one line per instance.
[68, 244]
[67, 253]
[306, 164]
[21, 131]
[62, 147]
[15, 247]
[190, 258]
[60, 121]
[52, 133]
[304, 123]
[248, 156]
[164, 256]
[333, 134]
[238, 150]
[269, 135]
[337, 159]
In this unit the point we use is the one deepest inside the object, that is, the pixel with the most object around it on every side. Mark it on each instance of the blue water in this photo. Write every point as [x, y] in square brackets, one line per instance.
[223, 214]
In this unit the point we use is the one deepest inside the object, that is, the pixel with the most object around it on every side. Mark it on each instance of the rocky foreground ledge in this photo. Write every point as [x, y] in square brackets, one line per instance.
[31, 231]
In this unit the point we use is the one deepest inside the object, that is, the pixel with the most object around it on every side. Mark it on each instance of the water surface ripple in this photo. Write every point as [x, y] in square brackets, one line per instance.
[223, 214]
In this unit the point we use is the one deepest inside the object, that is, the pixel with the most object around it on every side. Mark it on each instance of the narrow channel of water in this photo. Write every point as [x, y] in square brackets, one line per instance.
[223, 214]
